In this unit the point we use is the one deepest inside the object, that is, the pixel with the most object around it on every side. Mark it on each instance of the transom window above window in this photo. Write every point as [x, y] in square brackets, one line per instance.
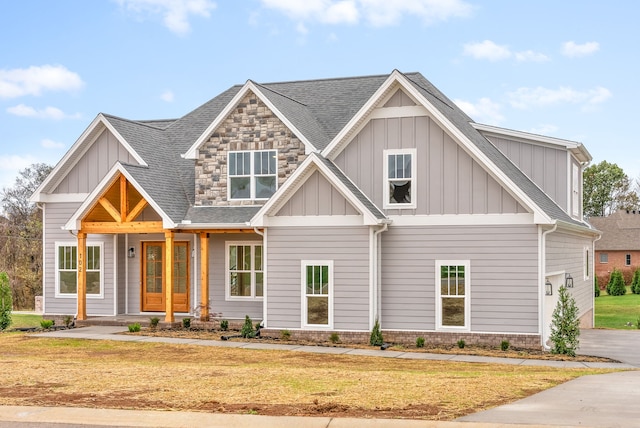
[399, 172]
[252, 174]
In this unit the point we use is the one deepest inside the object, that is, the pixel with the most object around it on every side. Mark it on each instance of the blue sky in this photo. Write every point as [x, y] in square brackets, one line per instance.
[567, 69]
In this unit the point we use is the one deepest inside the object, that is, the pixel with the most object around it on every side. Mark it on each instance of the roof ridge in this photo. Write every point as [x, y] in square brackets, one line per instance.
[136, 122]
[281, 94]
[333, 78]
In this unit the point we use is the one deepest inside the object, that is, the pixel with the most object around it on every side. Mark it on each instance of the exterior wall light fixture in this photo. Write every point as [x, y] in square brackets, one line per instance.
[568, 280]
[548, 288]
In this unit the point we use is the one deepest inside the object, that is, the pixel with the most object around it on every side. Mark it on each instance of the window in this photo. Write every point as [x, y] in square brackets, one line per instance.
[317, 290]
[452, 290]
[587, 263]
[604, 257]
[245, 271]
[575, 195]
[252, 175]
[627, 260]
[399, 172]
[67, 269]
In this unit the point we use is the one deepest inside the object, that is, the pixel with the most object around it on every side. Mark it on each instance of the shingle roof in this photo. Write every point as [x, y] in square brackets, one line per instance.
[226, 215]
[620, 231]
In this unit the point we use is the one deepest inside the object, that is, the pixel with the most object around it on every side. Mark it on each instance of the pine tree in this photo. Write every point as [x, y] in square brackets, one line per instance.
[376, 335]
[635, 282]
[565, 326]
[616, 287]
[596, 287]
[6, 303]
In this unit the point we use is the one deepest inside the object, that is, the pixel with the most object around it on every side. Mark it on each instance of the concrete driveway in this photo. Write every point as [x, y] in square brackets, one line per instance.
[621, 345]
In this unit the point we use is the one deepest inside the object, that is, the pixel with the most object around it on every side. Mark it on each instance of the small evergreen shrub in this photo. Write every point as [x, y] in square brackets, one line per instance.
[616, 287]
[285, 335]
[596, 287]
[224, 325]
[420, 342]
[635, 282]
[504, 345]
[461, 343]
[247, 328]
[334, 337]
[46, 324]
[376, 338]
[565, 325]
[134, 328]
[186, 323]
[153, 322]
[67, 320]
[6, 302]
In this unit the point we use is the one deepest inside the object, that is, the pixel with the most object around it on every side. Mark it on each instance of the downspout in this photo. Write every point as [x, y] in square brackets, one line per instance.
[265, 279]
[376, 304]
[543, 268]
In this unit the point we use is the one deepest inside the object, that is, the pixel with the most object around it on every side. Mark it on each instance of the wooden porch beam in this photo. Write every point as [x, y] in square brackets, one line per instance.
[81, 284]
[136, 211]
[130, 227]
[204, 276]
[113, 212]
[168, 275]
[123, 199]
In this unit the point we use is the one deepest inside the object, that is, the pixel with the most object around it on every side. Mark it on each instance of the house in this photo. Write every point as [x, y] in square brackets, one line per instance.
[322, 206]
[619, 247]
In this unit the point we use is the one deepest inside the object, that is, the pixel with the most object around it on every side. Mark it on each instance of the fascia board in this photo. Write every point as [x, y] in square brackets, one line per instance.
[74, 222]
[249, 86]
[82, 144]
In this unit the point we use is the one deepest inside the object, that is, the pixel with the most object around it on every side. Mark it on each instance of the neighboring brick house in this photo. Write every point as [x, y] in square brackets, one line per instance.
[619, 246]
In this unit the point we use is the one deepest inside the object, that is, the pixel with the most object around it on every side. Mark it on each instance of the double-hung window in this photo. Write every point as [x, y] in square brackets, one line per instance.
[252, 174]
[67, 270]
[452, 291]
[400, 179]
[245, 273]
[317, 293]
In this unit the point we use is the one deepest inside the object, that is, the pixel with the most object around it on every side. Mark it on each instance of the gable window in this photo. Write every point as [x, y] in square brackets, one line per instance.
[627, 260]
[245, 270]
[587, 263]
[252, 174]
[452, 292]
[67, 270]
[317, 291]
[604, 257]
[575, 191]
[400, 182]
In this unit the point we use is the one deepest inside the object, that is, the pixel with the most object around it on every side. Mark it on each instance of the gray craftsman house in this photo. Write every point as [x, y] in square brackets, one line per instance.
[320, 206]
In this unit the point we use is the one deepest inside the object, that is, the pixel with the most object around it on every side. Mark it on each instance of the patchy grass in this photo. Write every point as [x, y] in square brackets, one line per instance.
[25, 320]
[109, 374]
[617, 311]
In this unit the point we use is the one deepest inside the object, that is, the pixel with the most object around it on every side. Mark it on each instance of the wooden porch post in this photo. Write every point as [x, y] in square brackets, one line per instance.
[82, 276]
[168, 276]
[204, 276]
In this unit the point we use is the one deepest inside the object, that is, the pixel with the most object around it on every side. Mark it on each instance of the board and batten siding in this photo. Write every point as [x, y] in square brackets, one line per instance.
[567, 252]
[56, 216]
[317, 196]
[91, 168]
[347, 247]
[503, 275]
[546, 166]
[448, 180]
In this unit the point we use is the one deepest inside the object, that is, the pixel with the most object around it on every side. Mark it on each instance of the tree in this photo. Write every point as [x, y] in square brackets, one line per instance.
[6, 304]
[635, 282]
[565, 326]
[616, 287]
[607, 189]
[21, 235]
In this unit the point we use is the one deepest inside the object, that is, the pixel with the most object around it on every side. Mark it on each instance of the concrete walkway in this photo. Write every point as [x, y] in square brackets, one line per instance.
[590, 401]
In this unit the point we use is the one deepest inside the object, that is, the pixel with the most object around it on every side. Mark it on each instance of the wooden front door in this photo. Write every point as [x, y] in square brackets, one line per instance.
[153, 283]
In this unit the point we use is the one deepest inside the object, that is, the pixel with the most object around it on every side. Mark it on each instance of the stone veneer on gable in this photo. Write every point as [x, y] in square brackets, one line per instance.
[250, 126]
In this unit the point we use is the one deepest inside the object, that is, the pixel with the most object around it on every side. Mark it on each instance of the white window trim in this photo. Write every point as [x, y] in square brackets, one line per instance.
[60, 295]
[627, 256]
[467, 295]
[606, 257]
[575, 190]
[588, 264]
[303, 280]
[414, 181]
[227, 281]
[252, 176]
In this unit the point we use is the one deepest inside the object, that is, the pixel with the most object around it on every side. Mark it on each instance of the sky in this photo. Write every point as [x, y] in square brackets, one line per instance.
[566, 69]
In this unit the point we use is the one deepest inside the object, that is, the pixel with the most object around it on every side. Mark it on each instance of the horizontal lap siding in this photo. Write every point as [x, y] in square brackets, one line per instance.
[504, 275]
[348, 247]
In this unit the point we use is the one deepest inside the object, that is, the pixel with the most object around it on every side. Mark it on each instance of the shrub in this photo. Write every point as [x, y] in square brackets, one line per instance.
[616, 287]
[153, 322]
[46, 324]
[504, 345]
[247, 328]
[186, 323]
[68, 321]
[376, 338]
[134, 328]
[285, 335]
[638, 322]
[596, 287]
[224, 325]
[565, 325]
[334, 337]
[420, 342]
[461, 343]
[6, 302]
[635, 282]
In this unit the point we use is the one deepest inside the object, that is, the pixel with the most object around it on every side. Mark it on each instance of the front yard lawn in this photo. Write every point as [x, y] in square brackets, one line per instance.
[617, 311]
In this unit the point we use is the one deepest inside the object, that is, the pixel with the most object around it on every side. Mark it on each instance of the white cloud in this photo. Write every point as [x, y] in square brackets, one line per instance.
[50, 144]
[175, 13]
[301, 28]
[45, 113]
[531, 56]
[485, 110]
[35, 80]
[544, 129]
[524, 98]
[487, 50]
[378, 13]
[10, 166]
[167, 96]
[574, 50]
